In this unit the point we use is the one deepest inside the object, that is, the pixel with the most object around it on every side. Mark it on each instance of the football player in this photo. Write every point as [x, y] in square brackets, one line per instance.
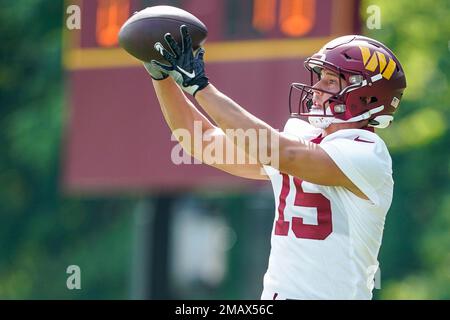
[333, 179]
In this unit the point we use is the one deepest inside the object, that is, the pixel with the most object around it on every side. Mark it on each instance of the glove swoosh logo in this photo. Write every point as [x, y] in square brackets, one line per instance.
[189, 74]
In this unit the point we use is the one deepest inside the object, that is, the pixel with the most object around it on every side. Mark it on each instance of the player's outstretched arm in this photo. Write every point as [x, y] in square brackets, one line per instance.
[180, 113]
[296, 157]
[299, 158]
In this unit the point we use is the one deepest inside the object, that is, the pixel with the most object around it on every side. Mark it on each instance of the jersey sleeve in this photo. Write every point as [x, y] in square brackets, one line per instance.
[366, 164]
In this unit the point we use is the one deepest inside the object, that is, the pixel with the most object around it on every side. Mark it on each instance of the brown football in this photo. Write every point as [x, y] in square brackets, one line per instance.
[148, 26]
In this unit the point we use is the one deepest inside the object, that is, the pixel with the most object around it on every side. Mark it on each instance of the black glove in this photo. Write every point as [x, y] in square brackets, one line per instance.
[185, 68]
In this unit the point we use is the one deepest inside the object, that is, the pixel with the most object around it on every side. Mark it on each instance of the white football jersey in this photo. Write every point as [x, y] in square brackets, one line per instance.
[325, 240]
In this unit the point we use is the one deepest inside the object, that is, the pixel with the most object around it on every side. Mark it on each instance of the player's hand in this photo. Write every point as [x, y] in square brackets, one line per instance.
[185, 68]
[155, 71]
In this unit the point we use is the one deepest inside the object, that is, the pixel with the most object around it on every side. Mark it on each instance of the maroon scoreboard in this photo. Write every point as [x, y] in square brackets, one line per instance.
[116, 138]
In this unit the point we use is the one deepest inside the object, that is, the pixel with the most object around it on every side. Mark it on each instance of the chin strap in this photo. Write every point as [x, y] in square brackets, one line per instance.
[381, 121]
[364, 116]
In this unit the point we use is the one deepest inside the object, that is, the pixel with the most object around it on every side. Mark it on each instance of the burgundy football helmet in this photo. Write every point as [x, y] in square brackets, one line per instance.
[374, 83]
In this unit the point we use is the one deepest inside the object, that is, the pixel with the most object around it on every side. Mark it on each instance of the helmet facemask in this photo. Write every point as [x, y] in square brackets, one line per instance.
[334, 108]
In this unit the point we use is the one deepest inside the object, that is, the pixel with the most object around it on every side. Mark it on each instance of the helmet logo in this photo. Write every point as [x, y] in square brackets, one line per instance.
[371, 62]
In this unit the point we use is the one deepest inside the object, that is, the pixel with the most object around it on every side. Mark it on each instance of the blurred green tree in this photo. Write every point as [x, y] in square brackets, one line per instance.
[42, 231]
[415, 255]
